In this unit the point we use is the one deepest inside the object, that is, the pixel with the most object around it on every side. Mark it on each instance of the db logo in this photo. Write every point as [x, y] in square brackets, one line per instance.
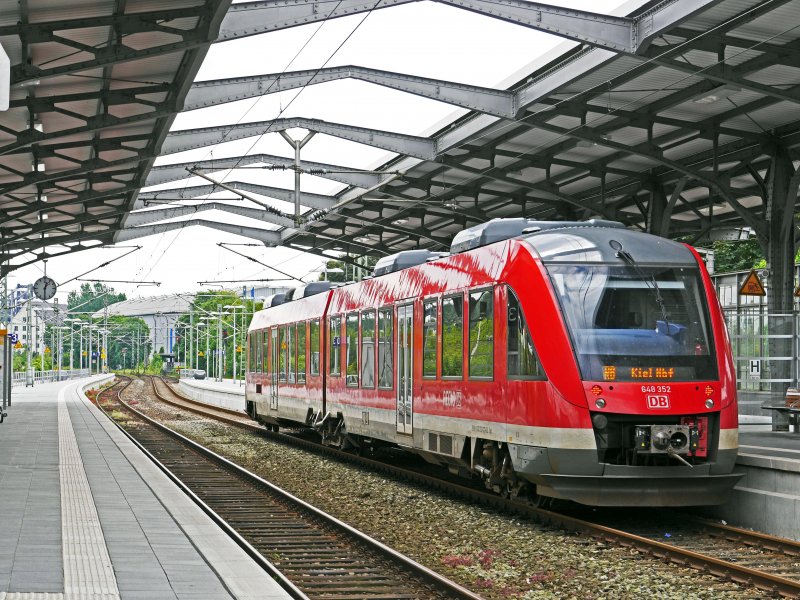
[657, 401]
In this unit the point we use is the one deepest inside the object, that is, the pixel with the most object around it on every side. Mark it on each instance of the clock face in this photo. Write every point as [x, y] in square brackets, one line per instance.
[44, 288]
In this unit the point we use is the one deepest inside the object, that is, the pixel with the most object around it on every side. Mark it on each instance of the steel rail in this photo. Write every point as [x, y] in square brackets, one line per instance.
[684, 557]
[434, 578]
[252, 552]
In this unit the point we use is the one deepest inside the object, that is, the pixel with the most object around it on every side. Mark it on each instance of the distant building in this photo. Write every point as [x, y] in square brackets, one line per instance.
[42, 315]
[160, 313]
[254, 293]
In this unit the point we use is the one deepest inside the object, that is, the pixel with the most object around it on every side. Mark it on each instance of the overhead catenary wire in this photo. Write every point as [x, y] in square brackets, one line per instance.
[611, 110]
[283, 109]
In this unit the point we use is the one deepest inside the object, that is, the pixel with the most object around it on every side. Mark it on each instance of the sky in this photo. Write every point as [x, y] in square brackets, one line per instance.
[422, 38]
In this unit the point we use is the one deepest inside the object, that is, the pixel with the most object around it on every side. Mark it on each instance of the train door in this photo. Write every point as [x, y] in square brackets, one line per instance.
[273, 378]
[405, 406]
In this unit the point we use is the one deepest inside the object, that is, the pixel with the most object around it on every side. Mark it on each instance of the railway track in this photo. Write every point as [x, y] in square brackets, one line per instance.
[749, 558]
[313, 554]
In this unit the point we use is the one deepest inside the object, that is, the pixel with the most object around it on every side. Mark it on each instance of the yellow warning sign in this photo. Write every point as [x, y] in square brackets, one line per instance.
[18, 345]
[752, 286]
[47, 350]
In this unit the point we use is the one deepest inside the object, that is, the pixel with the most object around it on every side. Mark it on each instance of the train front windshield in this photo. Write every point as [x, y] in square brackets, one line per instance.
[636, 323]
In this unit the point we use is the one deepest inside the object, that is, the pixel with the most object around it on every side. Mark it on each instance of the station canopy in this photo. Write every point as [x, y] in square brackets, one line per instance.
[666, 117]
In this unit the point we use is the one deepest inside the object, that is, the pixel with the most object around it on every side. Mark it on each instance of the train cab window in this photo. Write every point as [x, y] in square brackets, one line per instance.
[368, 349]
[351, 349]
[481, 334]
[385, 362]
[301, 352]
[521, 354]
[313, 366]
[429, 344]
[335, 346]
[291, 351]
[282, 343]
[453, 336]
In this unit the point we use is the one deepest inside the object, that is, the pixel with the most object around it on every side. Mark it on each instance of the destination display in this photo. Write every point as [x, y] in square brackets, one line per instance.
[649, 373]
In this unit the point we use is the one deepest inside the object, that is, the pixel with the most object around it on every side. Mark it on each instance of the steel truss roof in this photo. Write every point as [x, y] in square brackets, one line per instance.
[666, 119]
[95, 86]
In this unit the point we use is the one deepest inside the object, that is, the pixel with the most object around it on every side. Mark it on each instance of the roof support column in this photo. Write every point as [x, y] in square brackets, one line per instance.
[297, 145]
[781, 188]
[656, 209]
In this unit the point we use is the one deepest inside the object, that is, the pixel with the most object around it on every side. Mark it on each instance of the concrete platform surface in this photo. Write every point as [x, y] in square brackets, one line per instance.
[85, 515]
[222, 393]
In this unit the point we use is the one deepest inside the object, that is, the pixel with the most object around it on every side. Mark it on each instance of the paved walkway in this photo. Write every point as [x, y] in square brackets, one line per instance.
[84, 515]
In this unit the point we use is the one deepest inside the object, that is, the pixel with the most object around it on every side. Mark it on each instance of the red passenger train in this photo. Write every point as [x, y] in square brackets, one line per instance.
[582, 361]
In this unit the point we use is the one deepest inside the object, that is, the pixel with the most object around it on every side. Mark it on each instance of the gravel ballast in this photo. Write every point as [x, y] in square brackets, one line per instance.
[493, 554]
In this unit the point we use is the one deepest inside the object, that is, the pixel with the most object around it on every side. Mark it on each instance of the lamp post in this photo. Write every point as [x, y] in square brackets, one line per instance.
[70, 320]
[200, 325]
[233, 307]
[90, 328]
[103, 352]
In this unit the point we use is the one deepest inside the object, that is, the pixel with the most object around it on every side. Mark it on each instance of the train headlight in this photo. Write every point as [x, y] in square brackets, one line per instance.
[600, 403]
[709, 403]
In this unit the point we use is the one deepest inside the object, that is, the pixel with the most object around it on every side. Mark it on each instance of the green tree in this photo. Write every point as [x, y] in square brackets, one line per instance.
[92, 298]
[732, 256]
[205, 305]
[339, 271]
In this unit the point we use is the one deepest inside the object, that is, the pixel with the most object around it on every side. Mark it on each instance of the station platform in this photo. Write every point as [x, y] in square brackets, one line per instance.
[85, 515]
[225, 393]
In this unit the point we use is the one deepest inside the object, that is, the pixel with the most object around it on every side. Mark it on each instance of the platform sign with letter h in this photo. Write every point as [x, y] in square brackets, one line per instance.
[754, 369]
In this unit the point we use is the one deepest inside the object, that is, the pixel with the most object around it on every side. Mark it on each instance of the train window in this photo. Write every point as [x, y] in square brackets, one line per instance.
[263, 354]
[385, 363]
[313, 365]
[522, 360]
[282, 354]
[429, 344]
[301, 352]
[453, 336]
[481, 334]
[335, 346]
[636, 323]
[291, 351]
[251, 352]
[351, 349]
[368, 349]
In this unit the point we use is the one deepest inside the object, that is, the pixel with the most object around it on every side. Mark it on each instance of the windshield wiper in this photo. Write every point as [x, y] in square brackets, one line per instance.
[628, 258]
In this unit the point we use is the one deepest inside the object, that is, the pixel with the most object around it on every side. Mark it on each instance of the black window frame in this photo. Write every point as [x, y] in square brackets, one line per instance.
[526, 329]
[470, 293]
[386, 343]
[314, 323]
[351, 379]
[430, 341]
[459, 298]
[374, 351]
[302, 352]
[335, 322]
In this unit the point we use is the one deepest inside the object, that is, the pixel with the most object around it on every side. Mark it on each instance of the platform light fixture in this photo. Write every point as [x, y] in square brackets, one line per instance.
[716, 94]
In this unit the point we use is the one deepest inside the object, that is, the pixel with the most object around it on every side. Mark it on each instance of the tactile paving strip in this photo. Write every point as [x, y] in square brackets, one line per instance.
[88, 574]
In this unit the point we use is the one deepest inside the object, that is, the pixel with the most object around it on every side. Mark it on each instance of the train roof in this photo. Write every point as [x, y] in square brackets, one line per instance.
[502, 229]
[581, 244]
[404, 260]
